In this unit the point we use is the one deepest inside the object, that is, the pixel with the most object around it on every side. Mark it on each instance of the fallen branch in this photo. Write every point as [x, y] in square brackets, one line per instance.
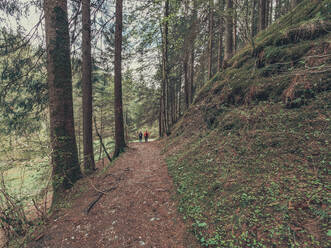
[92, 204]
[100, 138]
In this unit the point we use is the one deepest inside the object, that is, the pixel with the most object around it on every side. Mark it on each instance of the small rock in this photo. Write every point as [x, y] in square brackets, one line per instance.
[141, 243]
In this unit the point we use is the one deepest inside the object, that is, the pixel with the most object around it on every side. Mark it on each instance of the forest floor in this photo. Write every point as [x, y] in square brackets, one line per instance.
[136, 210]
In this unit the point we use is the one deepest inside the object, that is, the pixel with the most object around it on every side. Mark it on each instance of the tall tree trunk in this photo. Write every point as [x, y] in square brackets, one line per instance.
[186, 80]
[164, 101]
[78, 138]
[66, 170]
[210, 42]
[229, 31]
[253, 15]
[193, 34]
[267, 4]
[220, 36]
[89, 164]
[192, 55]
[119, 128]
[234, 30]
[271, 12]
[262, 15]
[160, 117]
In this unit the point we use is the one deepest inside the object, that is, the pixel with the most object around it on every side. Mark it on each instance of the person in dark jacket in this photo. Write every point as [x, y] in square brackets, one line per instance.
[140, 136]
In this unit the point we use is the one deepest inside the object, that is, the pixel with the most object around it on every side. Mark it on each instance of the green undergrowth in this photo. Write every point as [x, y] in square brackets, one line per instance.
[250, 159]
[260, 179]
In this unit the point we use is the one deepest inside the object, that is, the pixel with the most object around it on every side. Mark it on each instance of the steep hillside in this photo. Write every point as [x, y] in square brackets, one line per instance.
[251, 158]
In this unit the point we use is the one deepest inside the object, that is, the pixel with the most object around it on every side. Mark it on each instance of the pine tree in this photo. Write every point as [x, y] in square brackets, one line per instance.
[229, 30]
[119, 124]
[262, 15]
[66, 170]
[89, 164]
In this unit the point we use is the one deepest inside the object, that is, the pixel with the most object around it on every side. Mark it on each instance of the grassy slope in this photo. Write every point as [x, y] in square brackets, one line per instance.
[250, 159]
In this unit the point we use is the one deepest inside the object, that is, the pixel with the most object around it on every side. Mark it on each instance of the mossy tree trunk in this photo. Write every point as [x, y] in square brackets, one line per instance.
[66, 170]
[89, 164]
[119, 124]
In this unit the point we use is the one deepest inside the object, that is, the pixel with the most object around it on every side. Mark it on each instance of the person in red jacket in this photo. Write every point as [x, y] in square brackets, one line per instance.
[146, 135]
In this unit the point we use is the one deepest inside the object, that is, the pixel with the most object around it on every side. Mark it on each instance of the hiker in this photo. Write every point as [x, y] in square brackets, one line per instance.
[146, 134]
[140, 135]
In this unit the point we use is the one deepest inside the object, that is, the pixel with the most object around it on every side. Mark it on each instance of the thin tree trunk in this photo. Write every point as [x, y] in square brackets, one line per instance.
[210, 42]
[165, 71]
[119, 128]
[192, 73]
[78, 141]
[262, 15]
[66, 170]
[160, 118]
[186, 80]
[89, 164]
[229, 31]
[234, 31]
[100, 145]
[267, 4]
[180, 100]
[271, 12]
[253, 14]
[220, 37]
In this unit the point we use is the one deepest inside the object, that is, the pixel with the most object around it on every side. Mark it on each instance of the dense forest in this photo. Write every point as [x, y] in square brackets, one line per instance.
[234, 96]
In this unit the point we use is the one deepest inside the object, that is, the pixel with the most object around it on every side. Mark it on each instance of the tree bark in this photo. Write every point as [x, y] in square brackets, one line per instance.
[234, 30]
[186, 80]
[89, 164]
[66, 169]
[253, 14]
[229, 31]
[192, 57]
[210, 42]
[220, 36]
[194, 30]
[270, 12]
[119, 128]
[267, 4]
[262, 15]
[164, 101]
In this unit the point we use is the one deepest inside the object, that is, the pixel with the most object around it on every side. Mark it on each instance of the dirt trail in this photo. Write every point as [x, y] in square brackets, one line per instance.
[139, 212]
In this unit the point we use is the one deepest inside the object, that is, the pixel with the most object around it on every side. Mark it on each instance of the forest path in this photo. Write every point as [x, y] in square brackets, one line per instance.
[137, 212]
